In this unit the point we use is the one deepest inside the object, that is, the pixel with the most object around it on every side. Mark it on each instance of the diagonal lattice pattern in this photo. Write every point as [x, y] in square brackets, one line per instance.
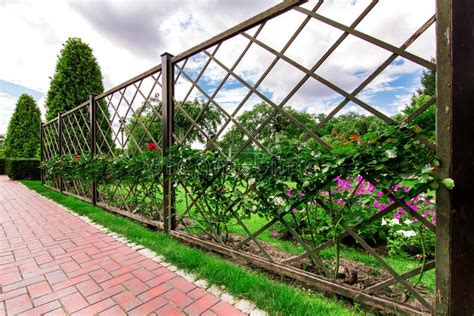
[213, 87]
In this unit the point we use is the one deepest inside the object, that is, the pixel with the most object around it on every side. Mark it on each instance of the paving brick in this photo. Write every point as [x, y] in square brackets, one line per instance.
[201, 304]
[181, 284]
[95, 308]
[56, 276]
[18, 304]
[113, 311]
[153, 292]
[150, 306]
[73, 302]
[54, 295]
[169, 310]
[100, 275]
[107, 293]
[127, 300]
[197, 293]
[178, 298]
[7, 278]
[143, 274]
[116, 280]
[39, 289]
[135, 286]
[223, 308]
[42, 309]
[88, 288]
[161, 279]
[70, 266]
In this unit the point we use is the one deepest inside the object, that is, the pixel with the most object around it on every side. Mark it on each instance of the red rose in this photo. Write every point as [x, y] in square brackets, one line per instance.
[77, 156]
[151, 146]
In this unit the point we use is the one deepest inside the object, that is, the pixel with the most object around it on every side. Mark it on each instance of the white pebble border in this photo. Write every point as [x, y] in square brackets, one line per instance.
[245, 306]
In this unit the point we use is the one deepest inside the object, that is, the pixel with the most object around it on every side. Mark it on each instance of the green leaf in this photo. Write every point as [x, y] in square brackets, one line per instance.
[448, 183]
[391, 153]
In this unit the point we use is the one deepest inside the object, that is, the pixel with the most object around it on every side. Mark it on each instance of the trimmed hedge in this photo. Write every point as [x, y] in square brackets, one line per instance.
[2, 165]
[23, 168]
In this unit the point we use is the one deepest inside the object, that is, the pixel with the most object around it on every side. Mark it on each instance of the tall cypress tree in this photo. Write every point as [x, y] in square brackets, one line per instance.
[77, 75]
[23, 134]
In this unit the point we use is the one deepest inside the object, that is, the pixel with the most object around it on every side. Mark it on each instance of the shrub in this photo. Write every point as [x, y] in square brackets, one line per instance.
[23, 134]
[2, 165]
[22, 168]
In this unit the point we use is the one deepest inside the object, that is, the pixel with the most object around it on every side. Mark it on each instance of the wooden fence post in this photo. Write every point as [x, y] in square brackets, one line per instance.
[42, 152]
[167, 75]
[455, 147]
[61, 147]
[93, 141]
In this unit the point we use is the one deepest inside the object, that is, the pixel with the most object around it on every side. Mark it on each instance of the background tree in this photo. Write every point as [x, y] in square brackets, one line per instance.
[23, 134]
[278, 128]
[77, 75]
[426, 120]
[148, 117]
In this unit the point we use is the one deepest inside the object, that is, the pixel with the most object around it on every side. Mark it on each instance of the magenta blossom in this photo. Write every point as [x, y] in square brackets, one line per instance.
[376, 204]
[274, 233]
[383, 207]
[397, 216]
[294, 211]
[288, 193]
[340, 202]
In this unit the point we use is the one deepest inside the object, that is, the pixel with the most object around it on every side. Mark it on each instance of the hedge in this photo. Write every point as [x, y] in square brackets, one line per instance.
[23, 168]
[2, 165]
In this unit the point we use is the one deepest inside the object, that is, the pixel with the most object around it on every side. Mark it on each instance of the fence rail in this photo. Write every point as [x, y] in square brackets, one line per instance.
[156, 109]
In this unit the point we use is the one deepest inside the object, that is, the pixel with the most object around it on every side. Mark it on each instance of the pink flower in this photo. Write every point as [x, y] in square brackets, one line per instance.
[434, 220]
[383, 207]
[288, 193]
[274, 233]
[359, 178]
[376, 204]
[294, 211]
[299, 193]
[340, 202]
[402, 211]
[379, 194]
[397, 216]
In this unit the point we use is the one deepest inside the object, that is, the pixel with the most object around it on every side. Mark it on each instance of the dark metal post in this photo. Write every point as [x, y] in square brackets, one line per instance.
[93, 143]
[42, 152]
[455, 135]
[167, 75]
[61, 147]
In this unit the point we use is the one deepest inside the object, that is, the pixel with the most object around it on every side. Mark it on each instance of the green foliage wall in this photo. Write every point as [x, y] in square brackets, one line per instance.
[22, 168]
[2, 165]
[23, 135]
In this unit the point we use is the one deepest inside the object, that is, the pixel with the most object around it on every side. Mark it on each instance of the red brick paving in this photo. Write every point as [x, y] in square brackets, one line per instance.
[53, 263]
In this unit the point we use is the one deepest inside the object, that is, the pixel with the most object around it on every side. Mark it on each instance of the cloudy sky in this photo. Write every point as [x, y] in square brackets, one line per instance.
[128, 37]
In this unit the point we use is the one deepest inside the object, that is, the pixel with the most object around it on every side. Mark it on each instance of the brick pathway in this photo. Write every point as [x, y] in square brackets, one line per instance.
[53, 263]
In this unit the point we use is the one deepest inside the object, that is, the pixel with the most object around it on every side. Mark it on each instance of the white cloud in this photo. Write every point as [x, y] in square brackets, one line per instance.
[128, 37]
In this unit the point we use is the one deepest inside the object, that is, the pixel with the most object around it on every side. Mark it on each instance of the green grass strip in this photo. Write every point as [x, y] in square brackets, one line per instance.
[271, 296]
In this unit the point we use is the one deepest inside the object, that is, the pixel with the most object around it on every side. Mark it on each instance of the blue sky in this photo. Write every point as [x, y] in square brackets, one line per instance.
[125, 46]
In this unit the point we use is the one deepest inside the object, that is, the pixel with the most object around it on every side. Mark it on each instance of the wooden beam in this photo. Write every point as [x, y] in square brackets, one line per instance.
[455, 135]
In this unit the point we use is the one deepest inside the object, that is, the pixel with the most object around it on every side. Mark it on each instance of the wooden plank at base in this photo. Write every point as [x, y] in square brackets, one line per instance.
[304, 277]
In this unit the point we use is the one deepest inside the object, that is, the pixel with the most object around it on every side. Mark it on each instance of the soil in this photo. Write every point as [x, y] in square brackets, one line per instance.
[351, 273]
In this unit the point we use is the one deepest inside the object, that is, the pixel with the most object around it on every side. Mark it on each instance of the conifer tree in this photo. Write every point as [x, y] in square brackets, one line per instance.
[23, 134]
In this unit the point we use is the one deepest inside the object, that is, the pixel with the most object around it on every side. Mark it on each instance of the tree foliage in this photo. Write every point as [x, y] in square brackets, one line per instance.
[278, 128]
[23, 135]
[146, 126]
[426, 120]
[78, 75]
